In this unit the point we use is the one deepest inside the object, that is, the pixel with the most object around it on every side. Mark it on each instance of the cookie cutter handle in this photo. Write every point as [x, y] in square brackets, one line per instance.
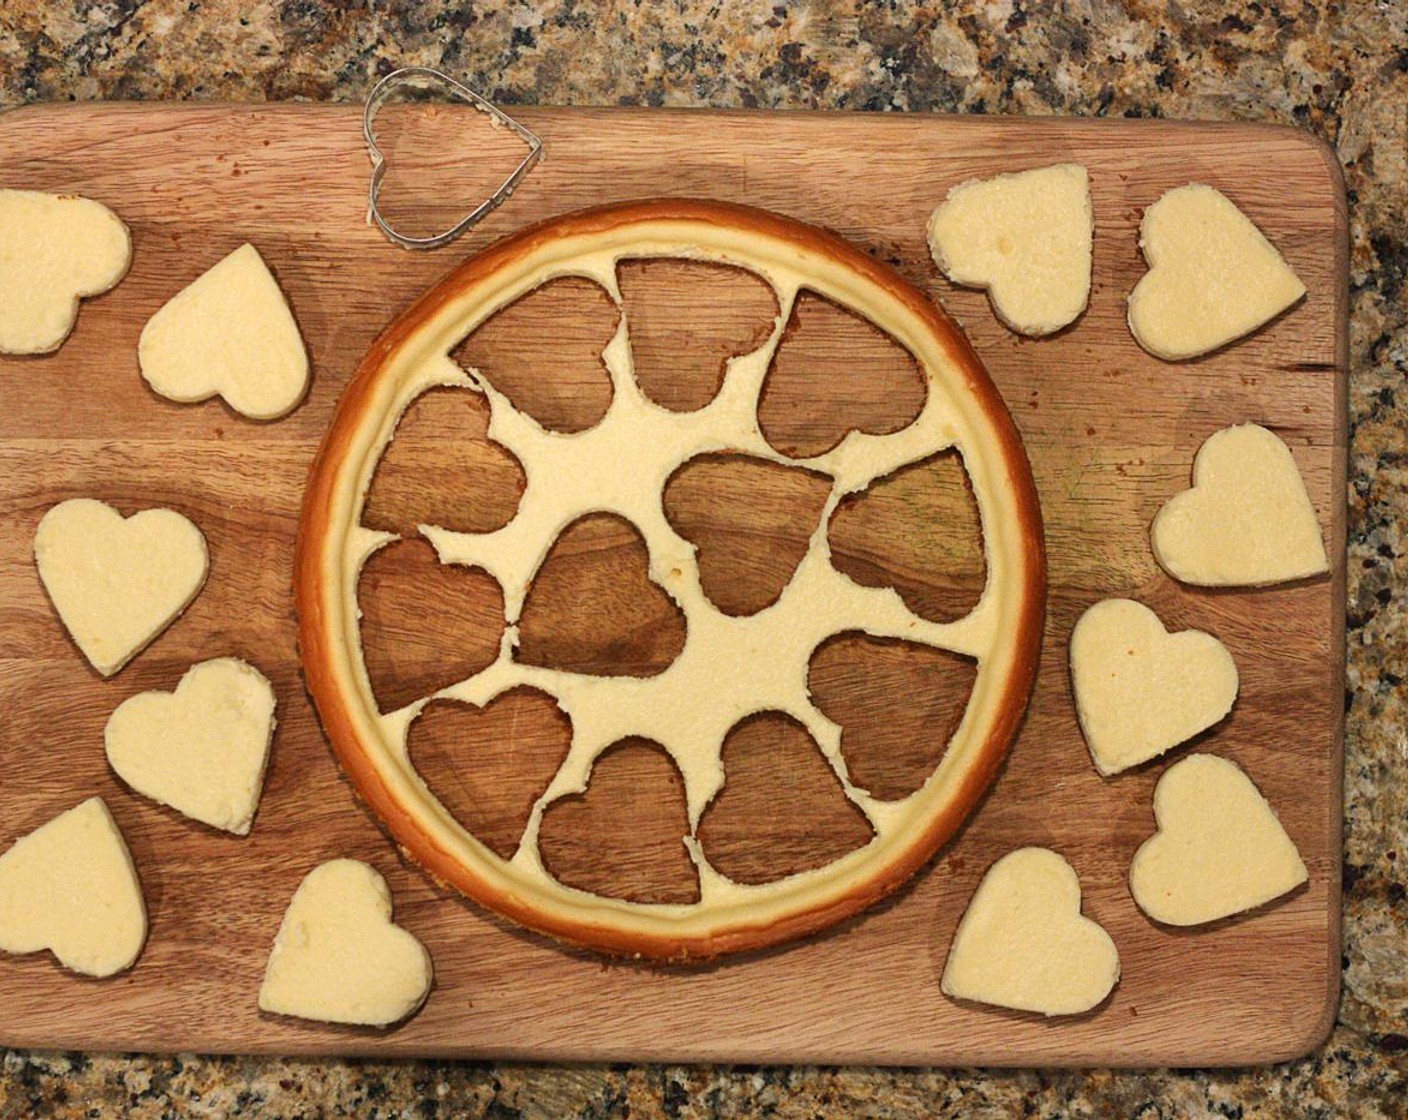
[424, 77]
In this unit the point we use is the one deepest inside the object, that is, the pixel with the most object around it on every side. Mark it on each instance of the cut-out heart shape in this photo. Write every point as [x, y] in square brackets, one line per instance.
[201, 749]
[1247, 521]
[917, 530]
[1140, 690]
[1213, 276]
[544, 353]
[410, 651]
[750, 520]
[782, 809]
[1026, 238]
[686, 320]
[338, 959]
[890, 749]
[442, 469]
[54, 251]
[1219, 849]
[624, 838]
[593, 608]
[833, 373]
[488, 766]
[117, 582]
[228, 333]
[1024, 944]
[424, 78]
[70, 887]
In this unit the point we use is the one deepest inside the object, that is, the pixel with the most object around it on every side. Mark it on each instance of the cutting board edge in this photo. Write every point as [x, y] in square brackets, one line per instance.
[1293, 134]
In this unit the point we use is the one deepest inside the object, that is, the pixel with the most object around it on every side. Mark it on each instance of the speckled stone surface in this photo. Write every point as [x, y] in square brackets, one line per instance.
[1339, 70]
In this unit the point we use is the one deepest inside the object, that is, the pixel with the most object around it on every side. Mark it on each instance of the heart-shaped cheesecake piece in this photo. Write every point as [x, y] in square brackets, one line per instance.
[117, 582]
[1247, 521]
[337, 957]
[1026, 238]
[70, 887]
[201, 749]
[1140, 690]
[1213, 276]
[230, 332]
[1023, 942]
[1219, 849]
[54, 251]
[875, 386]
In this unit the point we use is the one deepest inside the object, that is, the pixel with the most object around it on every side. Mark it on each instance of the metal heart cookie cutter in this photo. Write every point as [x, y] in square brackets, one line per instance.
[425, 79]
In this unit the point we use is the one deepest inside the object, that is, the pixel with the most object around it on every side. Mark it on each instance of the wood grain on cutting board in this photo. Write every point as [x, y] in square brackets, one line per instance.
[1110, 431]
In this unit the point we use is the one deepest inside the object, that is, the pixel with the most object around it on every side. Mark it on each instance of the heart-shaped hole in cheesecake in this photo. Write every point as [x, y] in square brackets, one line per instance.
[834, 372]
[1024, 944]
[686, 320]
[1219, 850]
[489, 765]
[544, 353]
[425, 625]
[917, 530]
[442, 469]
[624, 837]
[781, 810]
[751, 521]
[593, 608]
[890, 748]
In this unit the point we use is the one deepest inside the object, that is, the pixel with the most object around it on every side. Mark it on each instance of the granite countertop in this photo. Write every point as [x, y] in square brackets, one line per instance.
[1337, 70]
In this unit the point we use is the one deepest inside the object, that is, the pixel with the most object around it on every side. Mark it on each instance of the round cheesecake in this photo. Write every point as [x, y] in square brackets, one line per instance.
[619, 466]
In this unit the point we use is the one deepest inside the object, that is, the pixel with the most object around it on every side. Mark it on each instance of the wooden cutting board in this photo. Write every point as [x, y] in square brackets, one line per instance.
[1110, 431]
